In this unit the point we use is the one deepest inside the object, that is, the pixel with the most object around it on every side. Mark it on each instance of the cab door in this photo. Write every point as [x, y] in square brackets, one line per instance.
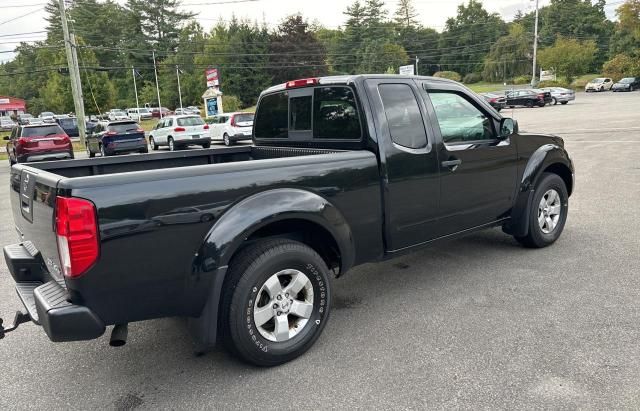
[478, 169]
[409, 162]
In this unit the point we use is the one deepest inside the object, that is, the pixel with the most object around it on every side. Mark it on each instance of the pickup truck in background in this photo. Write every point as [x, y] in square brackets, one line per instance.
[243, 240]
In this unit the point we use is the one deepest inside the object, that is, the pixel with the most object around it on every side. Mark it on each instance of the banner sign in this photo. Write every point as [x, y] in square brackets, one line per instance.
[407, 70]
[213, 79]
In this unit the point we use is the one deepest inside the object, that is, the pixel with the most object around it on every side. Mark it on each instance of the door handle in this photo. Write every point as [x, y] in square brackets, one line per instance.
[452, 164]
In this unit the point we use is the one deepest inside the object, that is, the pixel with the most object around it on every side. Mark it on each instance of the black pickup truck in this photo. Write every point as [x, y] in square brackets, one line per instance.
[243, 241]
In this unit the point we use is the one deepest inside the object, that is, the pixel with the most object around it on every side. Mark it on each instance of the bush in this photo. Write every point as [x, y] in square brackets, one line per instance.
[231, 103]
[522, 80]
[550, 83]
[582, 81]
[472, 78]
[451, 75]
[621, 66]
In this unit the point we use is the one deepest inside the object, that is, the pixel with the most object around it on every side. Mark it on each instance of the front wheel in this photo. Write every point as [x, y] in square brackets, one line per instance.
[548, 212]
[276, 301]
[206, 145]
[563, 102]
[227, 140]
[152, 144]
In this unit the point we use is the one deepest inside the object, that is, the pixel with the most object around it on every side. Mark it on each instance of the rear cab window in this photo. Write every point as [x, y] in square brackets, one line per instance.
[318, 113]
[190, 121]
[123, 127]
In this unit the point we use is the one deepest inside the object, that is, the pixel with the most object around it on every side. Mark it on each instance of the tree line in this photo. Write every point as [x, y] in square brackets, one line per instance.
[117, 43]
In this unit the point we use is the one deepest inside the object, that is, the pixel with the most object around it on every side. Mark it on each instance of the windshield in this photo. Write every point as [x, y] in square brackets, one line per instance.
[68, 122]
[119, 113]
[42, 131]
[143, 110]
[123, 127]
[598, 80]
[26, 116]
[46, 114]
[190, 121]
[627, 80]
[242, 118]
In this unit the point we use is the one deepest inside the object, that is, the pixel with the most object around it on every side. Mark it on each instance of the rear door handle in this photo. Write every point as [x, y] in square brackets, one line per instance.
[452, 164]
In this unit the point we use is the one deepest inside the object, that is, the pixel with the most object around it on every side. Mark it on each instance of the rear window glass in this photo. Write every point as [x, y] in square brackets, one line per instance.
[42, 131]
[190, 121]
[242, 118]
[68, 122]
[123, 127]
[271, 119]
[331, 113]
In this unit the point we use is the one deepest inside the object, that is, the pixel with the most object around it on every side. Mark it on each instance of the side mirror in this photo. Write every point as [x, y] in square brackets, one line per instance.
[508, 127]
[6, 138]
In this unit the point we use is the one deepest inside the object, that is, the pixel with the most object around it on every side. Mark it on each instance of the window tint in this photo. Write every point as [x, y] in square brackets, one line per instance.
[243, 118]
[459, 120]
[336, 114]
[271, 119]
[403, 115]
[42, 131]
[190, 121]
[300, 113]
[123, 127]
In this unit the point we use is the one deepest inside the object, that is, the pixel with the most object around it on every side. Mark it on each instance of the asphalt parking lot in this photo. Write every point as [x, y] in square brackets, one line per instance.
[474, 323]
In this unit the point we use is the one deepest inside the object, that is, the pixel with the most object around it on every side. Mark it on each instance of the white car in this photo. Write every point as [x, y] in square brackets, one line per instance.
[231, 127]
[599, 84]
[193, 109]
[138, 114]
[6, 123]
[47, 117]
[180, 131]
[116, 115]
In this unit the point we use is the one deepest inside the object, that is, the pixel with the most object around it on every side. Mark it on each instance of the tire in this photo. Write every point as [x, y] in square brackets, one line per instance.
[144, 150]
[103, 152]
[529, 104]
[564, 102]
[246, 293]
[227, 140]
[206, 145]
[153, 144]
[90, 153]
[539, 237]
[172, 145]
[555, 101]
[541, 104]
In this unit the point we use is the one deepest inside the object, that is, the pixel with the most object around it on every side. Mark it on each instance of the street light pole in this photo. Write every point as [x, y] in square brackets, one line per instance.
[535, 48]
[155, 72]
[135, 88]
[179, 89]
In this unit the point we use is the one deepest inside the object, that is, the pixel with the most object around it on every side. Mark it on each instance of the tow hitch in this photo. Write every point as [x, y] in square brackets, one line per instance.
[20, 317]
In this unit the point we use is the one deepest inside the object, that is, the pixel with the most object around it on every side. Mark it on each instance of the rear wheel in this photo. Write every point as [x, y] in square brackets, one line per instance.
[227, 140]
[548, 212]
[276, 301]
[172, 145]
[206, 145]
[555, 101]
[563, 102]
[529, 104]
[152, 144]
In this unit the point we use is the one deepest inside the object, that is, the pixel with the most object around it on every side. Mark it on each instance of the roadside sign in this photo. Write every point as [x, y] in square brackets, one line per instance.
[547, 75]
[407, 70]
[213, 79]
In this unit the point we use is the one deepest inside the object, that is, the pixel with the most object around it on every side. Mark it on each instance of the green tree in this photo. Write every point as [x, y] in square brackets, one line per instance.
[467, 37]
[621, 66]
[509, 57]
[160, 21]
[626, 38]
[569, 57]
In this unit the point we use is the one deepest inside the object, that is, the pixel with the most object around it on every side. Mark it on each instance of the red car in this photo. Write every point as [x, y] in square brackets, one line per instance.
[38, 143]
[155, 113]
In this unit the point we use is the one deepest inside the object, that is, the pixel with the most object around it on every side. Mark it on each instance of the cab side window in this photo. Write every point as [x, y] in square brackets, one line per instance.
[403, 115]
[460, 121]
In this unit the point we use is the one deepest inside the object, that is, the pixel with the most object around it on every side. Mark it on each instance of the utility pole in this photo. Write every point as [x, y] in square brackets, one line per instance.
[135, 88]
[155, 71]
[417, 61]
[535, 48]
[179, 89]
[74, 73]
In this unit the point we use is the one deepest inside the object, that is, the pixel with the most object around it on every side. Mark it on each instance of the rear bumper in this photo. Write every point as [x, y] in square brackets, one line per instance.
[240, 137]
[47, 300]
[188, 140]
[58, 155]
[114, 148]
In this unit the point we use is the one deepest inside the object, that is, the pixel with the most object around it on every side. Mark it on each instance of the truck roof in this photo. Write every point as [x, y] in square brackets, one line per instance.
[347, 79]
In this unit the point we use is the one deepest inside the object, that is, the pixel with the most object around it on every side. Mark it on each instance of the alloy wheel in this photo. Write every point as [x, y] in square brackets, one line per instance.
[549, 211]
[283, 305]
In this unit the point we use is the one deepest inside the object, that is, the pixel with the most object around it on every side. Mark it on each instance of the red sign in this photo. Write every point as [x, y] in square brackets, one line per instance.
[212, 77]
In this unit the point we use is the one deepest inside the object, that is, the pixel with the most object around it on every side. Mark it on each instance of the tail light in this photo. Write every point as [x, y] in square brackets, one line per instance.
[22, 141]
[206, 127]
[302, 82]
[140, 130]
[233, 121]
[77, 234]
[110, 133]
[179, 129]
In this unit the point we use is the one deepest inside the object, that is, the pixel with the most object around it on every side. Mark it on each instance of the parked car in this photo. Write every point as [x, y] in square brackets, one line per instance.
[627, 84]
[35, 121]
[599, 84]
[117, 115]
[343, 172]
[23, 119]
[116, 137]
[38, 143]
[231, 127]
[544, 95]
[495, 100]
[560, 95]
[6, 124]
[180, 131]
[181, 112]
[47, 117]
[194, 110]
[527, 98]
[155, 112]
[70, 126]
[139, 114]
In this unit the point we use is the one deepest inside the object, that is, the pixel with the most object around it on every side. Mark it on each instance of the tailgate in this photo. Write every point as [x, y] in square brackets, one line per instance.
[33, 195]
